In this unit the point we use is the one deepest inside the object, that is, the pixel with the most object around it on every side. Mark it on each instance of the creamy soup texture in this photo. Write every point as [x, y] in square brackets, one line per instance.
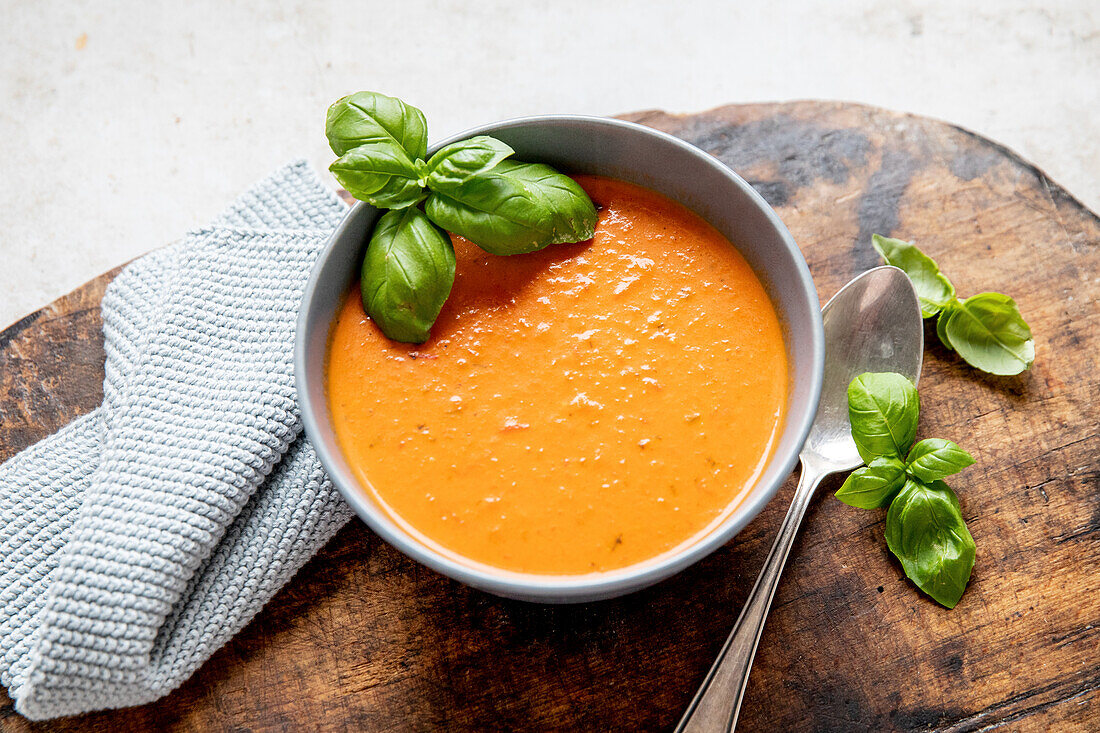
[578, 409]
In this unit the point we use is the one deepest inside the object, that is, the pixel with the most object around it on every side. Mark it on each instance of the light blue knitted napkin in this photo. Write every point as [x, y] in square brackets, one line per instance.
[142, 536]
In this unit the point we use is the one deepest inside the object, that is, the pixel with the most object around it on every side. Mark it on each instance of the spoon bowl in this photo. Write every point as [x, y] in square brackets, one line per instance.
[869, 327]
[873, 324]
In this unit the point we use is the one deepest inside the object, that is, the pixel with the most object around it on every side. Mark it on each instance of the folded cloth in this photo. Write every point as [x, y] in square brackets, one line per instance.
[139, 538]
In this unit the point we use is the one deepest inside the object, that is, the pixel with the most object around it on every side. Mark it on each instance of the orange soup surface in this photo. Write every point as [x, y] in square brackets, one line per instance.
[578, 409]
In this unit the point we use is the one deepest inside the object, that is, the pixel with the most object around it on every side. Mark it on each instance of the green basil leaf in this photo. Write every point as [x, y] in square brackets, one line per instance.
[407, 274]
[367, 117]
[934, 290]
[926, 531]
[379, 173]
[935, 458]
[457, 162]
[883, 410]
[941, 326]
[989, 333]
[874, 485]
[514, 208]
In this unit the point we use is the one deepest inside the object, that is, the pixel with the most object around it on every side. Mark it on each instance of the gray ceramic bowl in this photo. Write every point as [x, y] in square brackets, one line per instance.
[639, 155]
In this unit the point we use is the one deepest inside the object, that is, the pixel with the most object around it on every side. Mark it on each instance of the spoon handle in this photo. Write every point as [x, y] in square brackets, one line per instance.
[718, 700]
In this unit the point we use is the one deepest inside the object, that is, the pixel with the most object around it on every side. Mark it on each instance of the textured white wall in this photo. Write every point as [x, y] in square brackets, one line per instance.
[121, 126]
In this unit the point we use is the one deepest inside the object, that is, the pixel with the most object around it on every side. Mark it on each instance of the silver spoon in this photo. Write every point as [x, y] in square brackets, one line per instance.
[873, 324]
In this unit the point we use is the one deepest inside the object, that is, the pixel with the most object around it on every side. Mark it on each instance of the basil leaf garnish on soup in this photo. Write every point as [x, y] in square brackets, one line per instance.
[472, 190]
[458, 162]
[367, 117]
[513, 208]
[379, 173]
[407, 274]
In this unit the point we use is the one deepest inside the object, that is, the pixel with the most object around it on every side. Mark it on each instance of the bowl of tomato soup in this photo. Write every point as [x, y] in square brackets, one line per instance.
[587, 419]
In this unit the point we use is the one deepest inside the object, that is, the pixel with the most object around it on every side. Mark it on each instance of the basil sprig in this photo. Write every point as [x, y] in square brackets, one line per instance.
[924, 524]
[469, 188]
[986, 329]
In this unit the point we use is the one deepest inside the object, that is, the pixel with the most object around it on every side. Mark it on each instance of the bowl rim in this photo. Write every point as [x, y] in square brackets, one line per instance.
[572, 588]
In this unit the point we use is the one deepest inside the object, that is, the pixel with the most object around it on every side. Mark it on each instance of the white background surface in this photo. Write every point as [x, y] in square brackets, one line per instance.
[121, 126]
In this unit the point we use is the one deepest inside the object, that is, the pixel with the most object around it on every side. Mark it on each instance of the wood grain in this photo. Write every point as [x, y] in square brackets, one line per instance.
[364, 638]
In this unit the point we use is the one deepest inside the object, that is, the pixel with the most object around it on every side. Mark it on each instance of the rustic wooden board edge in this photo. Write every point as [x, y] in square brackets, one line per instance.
[1058, 193]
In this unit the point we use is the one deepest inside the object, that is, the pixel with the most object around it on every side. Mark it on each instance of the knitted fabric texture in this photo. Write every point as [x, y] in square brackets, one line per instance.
[138, 539]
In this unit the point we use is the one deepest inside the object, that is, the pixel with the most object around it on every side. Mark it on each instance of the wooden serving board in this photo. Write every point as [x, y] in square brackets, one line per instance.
[366, 639]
